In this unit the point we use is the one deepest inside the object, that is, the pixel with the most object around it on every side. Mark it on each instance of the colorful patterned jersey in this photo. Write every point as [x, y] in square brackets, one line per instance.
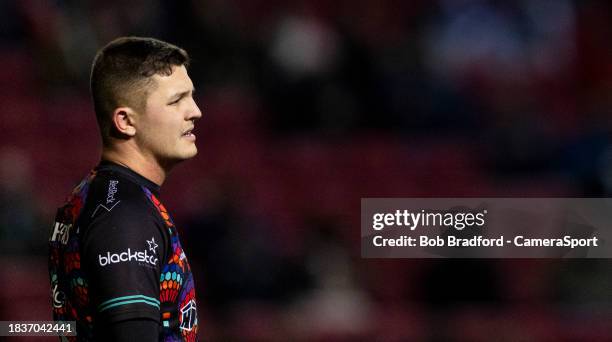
[115, 255]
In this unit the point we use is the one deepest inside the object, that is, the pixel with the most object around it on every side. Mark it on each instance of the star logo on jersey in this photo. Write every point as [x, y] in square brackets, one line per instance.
[152, 245]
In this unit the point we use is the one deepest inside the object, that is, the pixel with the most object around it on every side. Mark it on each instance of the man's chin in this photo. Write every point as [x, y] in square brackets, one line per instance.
[170, 161]
[190, 154]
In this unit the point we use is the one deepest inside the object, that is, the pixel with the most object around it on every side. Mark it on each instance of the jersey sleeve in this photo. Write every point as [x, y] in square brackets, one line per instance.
[122, 252]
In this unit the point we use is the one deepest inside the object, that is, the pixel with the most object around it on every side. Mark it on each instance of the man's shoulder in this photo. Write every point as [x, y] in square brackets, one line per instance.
[112, 193]
[118, 209]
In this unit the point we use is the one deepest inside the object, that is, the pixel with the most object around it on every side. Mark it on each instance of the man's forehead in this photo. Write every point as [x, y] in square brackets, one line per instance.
[178, 81]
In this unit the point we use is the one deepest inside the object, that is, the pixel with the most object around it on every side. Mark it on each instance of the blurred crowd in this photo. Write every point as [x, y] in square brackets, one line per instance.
[308, 107]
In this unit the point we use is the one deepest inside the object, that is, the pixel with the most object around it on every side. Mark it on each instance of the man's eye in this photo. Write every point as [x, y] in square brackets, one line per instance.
[175, 101]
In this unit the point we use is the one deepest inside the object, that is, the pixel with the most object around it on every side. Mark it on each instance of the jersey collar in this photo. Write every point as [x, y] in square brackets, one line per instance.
[138, 178]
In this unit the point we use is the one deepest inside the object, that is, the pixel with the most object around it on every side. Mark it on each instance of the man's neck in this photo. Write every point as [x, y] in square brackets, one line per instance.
[138, 163]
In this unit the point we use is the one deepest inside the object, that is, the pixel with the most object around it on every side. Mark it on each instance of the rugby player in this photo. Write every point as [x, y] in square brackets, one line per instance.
[116, 263]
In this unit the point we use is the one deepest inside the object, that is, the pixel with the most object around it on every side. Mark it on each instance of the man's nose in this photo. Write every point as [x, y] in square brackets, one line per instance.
[194, 111]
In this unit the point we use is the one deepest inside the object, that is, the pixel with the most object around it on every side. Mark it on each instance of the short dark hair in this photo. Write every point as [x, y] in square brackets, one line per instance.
[121, 74]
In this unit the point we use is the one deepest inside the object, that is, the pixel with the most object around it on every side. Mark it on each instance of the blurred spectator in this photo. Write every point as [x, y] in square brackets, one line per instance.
[238, 257]
[336, 306]
[20, 222]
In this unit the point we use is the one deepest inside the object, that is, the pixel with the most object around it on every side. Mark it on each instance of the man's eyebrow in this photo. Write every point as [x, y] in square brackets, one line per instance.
[183, 93]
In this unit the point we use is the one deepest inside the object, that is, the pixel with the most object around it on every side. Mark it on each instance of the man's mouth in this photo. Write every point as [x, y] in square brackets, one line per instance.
[189, 133]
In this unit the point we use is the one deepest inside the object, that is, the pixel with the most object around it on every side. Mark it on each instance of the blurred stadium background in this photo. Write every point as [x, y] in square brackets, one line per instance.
[308, 107]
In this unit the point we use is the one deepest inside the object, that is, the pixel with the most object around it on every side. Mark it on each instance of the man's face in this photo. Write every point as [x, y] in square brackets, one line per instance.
[163, 128]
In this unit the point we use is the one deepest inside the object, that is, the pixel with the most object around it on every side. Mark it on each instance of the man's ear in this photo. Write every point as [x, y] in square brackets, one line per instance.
[123, 120]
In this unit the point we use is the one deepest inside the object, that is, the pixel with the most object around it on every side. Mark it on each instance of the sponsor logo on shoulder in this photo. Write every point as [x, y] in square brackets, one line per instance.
[112, 190]
[111, 201]
[143, 257]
